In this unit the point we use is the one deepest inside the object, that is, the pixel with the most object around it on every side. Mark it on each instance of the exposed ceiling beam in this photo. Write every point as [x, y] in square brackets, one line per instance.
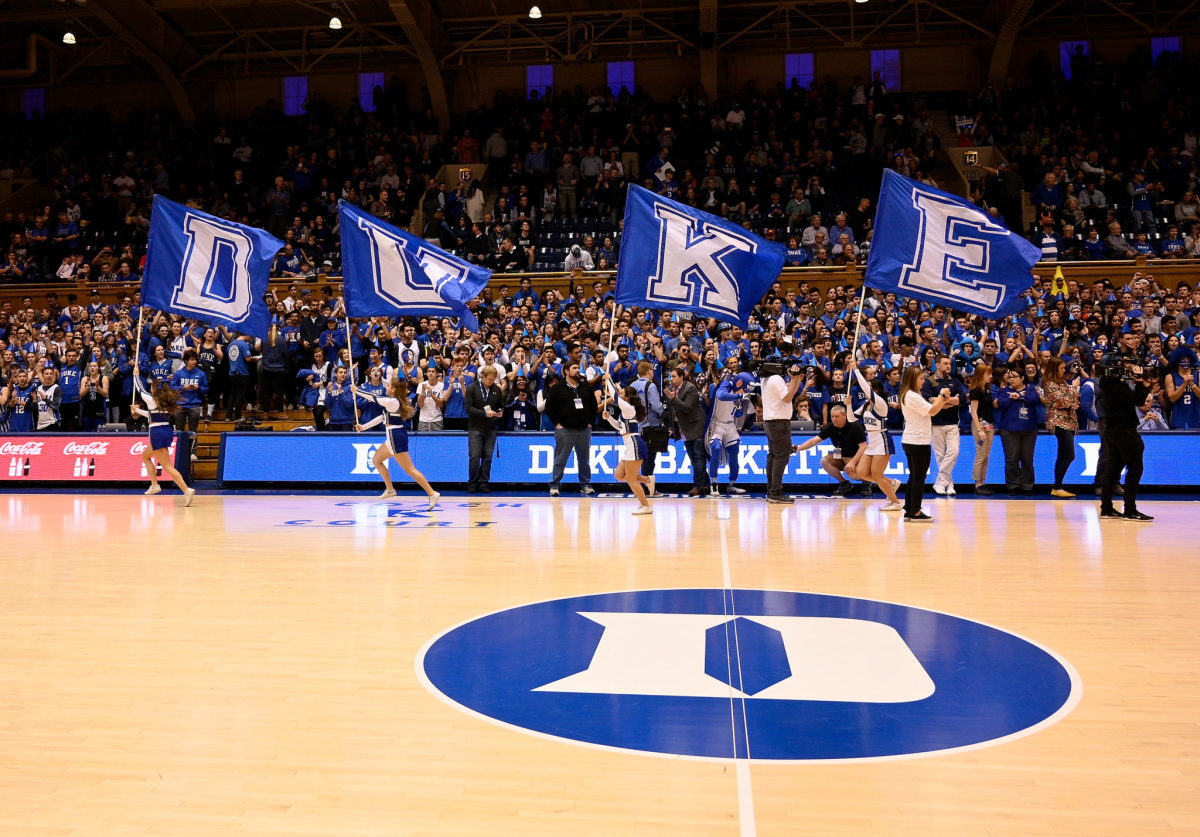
[421, 38]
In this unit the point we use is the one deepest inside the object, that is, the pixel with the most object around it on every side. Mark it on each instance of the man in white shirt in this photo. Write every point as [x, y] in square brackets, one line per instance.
[777, 395]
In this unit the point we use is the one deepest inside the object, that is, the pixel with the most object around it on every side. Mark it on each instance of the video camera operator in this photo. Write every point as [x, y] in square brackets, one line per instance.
[778, 391]
[1122, 391]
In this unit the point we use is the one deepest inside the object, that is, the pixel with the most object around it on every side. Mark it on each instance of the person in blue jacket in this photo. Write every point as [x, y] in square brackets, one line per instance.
[521, 412]
[1016, 405]
[313, 380]
[339, 400]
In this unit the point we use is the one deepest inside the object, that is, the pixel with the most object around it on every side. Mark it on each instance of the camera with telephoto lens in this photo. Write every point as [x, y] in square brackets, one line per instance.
[1116, 366]
[765, 368]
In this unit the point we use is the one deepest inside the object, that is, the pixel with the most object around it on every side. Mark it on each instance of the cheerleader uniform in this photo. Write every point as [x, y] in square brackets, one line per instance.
[161, 431]
[635, 447]
[395, 427]
[874, 419]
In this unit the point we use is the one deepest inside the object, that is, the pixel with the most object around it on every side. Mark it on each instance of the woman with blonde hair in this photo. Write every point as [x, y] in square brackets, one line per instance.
[917, 438]
[396, 411]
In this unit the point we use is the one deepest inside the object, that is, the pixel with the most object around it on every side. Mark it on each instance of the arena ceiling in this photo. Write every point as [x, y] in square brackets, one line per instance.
[193, 41]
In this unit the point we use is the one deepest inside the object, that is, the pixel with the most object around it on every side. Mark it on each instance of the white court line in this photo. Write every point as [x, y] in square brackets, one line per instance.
[745, 792]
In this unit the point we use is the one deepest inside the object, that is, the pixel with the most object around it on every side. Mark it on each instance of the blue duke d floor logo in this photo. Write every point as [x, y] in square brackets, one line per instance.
[769, 675]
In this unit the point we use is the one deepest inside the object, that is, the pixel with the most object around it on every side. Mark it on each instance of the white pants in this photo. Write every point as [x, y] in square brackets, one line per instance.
[945, 439]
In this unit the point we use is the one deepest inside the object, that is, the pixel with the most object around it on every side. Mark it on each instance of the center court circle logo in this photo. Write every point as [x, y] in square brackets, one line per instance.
[703, 673]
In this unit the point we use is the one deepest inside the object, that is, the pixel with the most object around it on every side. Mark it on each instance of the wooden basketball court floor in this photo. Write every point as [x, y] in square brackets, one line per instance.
[250, 665]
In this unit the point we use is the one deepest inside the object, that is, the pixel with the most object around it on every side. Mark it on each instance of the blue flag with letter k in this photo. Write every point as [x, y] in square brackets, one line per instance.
[390, 272]
[679, 258]
[937, 247]
[213, 270]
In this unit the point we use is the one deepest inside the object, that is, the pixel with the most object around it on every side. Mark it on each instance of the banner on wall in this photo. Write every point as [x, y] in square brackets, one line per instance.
[528, 458]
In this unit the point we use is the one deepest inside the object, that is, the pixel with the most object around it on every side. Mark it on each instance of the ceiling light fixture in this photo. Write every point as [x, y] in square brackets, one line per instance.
[535, 13]
[335, 23]
[69, 38]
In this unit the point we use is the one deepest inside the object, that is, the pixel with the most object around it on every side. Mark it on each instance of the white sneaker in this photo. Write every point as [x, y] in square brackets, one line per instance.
[939, 489]
[714, 492]
[587, 491]
[643, 510]
[950, 492]
[733, 489]
[892, 507]
[433, 500]
[154, 489]
[390, 492]
[188, 496]
[553, 492]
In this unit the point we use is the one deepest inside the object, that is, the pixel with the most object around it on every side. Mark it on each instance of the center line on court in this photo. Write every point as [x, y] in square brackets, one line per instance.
[745, 791]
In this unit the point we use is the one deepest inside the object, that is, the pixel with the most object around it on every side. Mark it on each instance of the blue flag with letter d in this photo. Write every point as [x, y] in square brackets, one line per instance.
[940, 248]
[203, 267]
[389, 272]
[677, 257]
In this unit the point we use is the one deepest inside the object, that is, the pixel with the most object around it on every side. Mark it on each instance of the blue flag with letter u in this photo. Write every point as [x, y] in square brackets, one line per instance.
[203, 267]
[937, 247]
[390, 272]
[677, 257]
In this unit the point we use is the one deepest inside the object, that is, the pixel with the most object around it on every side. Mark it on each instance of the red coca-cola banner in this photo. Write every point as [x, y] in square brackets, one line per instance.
[66, 457]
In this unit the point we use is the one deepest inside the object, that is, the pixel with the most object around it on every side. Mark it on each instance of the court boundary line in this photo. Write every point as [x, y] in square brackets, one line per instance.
[745, 789]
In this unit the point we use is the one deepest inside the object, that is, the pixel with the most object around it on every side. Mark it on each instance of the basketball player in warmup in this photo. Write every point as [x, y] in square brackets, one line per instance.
[880, 446]
[625, 411]
[160, 407]
[396, 410]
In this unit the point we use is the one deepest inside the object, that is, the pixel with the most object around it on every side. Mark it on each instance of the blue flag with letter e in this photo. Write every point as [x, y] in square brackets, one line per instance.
[937, 247]
[680, 258]
[209, 269]
[389, 272]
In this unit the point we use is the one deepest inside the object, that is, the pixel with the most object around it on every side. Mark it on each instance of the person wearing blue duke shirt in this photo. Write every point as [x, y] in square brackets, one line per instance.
[69, 378]
[1016, 406]
[191, 385]
[238, 353]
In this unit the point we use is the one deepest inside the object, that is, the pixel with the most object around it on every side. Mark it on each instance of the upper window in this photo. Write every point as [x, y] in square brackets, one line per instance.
[886, 62]
[798, 70]
[295, 94]
[1073, 56]
[33, 101]
[367, 82]
[620, 77]
[1158, 46]
[539, 78]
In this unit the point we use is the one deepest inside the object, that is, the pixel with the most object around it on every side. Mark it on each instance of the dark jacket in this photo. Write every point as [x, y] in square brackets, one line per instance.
[1121, 402]
[474, 404]
[560, 405]
[689, 412]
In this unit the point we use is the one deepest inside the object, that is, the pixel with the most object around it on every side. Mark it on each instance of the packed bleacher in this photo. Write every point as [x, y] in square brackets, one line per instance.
[1107, 155]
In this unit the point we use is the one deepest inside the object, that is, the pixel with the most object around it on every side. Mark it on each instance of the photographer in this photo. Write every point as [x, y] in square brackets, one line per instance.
[777, 395]
[1121, 393]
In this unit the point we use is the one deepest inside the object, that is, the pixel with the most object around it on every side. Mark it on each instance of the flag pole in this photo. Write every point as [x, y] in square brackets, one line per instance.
[862, 301]
[137, 343]
[350, 371]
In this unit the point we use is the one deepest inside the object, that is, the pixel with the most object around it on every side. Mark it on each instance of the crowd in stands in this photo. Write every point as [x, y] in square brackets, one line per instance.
[791, 164]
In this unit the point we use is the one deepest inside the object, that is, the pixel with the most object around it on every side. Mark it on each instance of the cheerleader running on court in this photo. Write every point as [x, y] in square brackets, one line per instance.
[160, 406]
[625, 413]
[396, 410]
[880, 446]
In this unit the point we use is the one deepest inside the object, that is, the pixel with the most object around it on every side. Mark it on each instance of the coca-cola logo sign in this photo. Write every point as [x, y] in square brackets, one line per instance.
[138, 448]
[85, 449]
[21, 448]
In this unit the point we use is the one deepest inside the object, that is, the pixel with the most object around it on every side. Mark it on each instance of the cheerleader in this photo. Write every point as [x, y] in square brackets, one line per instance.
[396, 411]
[880, 446]
[159, 408]
[625, 417]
